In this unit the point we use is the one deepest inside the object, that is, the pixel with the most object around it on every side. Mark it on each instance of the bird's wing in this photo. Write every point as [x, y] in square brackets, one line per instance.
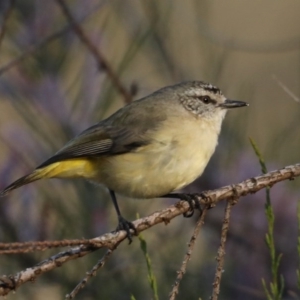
[96, 141]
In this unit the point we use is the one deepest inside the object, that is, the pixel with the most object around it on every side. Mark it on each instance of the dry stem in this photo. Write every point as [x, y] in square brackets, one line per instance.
[221, 252]
[110, 240]
[188, 255]
[90, 274]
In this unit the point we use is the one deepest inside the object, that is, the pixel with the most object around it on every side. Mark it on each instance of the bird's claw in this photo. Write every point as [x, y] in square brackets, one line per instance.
[126, 225]
[193, 202]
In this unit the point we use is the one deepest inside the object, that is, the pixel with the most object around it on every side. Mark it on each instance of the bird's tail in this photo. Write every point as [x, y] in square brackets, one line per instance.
[63, 169]
[35, 175]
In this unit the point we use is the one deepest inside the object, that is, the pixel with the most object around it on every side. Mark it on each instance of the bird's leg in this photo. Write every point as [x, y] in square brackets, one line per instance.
[123, 223]
[190, 198]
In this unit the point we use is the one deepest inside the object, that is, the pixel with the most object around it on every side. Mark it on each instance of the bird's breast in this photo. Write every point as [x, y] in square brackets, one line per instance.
[175, 157]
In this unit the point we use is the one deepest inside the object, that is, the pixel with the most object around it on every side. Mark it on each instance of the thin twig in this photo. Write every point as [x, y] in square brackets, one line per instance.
[251, 185]
[25, 247]
[101, 60]
[110, 240]
[92, 273]
[221, 252]
[188, 255]
[5, 18]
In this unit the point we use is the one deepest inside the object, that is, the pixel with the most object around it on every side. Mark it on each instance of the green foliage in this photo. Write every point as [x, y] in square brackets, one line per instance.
[275, 289]
[151, 276]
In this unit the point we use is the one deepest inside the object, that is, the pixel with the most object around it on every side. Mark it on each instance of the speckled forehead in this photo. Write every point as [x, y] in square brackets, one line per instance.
[211, 88]
[202, 90]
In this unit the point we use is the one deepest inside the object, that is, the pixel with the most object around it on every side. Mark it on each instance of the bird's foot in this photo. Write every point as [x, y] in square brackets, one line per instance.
[192, 199]
[194, 203]
[126, 225]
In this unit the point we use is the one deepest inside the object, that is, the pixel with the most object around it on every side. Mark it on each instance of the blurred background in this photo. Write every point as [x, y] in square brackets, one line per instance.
[250, 49]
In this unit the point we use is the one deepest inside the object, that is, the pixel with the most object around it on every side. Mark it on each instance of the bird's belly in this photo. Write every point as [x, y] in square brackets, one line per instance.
[154, 170]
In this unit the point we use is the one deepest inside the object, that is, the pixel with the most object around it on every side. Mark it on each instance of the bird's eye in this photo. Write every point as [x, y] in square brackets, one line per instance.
[205, 99]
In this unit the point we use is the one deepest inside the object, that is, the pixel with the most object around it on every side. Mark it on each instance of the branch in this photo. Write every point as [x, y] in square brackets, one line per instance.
[111, 240]
[221, 252]
[250, 186]
[93, 272]
[25, 247]
[188, 255]
[101, 60]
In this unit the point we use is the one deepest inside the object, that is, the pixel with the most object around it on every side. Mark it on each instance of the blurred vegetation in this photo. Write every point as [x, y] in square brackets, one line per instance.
[59, 90]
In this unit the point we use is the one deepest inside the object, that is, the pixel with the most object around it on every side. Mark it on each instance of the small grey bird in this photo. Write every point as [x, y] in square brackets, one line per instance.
[149, 148]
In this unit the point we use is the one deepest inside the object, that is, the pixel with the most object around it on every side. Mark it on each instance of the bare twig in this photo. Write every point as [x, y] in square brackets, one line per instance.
[251, 185]
[221, 252]
[110, 240]
[101, 60]
[92, 273]
[25, 247]
[5, 18]
[188, 255]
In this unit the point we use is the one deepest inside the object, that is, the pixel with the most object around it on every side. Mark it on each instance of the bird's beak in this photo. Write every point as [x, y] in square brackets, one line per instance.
[233, 104]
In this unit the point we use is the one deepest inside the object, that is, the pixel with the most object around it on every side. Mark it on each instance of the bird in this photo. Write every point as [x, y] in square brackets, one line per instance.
[147, 149]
